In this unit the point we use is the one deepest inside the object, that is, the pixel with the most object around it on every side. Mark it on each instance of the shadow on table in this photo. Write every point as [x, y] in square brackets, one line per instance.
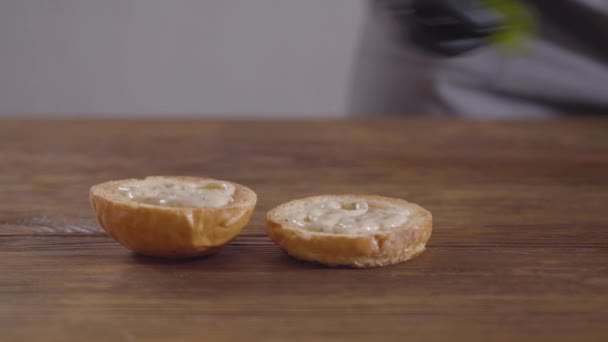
[152, 260]
[232, 258]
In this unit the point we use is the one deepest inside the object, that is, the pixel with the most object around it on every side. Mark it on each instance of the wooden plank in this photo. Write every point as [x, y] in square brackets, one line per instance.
[92, 288]
[519, 249]
[467, 173]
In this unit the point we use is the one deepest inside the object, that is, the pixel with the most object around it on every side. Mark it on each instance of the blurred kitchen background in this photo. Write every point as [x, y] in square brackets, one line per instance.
[281, 58]
[155, 57]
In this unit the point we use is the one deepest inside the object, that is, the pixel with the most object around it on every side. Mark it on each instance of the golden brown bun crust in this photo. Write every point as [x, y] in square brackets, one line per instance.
[173, 232]
[374, 249]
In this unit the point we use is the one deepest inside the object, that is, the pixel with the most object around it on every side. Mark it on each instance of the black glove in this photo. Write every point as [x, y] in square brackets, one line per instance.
[447, 27]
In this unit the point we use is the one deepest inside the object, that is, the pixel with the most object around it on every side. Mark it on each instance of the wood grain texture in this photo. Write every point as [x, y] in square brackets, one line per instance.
[519, 249]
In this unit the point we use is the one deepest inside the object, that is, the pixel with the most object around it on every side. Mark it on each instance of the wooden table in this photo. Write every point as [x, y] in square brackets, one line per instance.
[519, 250]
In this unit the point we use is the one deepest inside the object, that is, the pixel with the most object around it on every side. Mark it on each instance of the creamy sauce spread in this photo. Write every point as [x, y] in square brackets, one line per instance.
[175, 193]
[349, 216]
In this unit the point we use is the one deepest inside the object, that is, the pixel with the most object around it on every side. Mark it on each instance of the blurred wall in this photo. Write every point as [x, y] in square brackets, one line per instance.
[246, 57]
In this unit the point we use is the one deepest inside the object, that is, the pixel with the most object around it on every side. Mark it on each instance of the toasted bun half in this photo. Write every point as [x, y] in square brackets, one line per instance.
[171, 230]
[350, 245]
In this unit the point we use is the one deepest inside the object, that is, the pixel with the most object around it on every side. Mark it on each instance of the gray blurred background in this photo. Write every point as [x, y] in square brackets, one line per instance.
[291, 59]
[154, 57]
